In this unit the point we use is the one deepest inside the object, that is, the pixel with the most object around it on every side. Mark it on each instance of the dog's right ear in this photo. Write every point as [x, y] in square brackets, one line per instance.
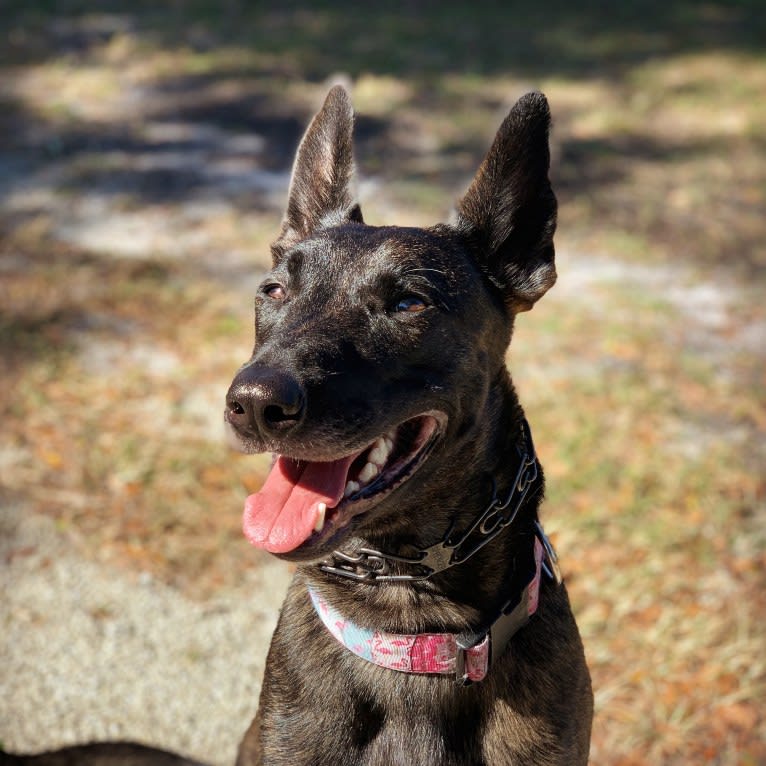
[320, 189]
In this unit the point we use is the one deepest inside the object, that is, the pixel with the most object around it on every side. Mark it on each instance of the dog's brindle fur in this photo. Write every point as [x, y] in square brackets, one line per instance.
[342, 363]
[341, 358]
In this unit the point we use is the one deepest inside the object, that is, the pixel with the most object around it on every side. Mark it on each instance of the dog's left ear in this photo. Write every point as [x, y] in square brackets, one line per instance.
[320, 189]
[508, 214]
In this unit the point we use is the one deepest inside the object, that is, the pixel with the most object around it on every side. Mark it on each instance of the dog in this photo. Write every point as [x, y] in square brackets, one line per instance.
[426, 622]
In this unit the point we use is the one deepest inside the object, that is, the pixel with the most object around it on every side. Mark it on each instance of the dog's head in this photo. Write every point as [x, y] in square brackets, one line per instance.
[378, 349]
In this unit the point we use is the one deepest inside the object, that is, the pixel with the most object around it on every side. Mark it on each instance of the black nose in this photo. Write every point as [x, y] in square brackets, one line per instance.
[264, 400]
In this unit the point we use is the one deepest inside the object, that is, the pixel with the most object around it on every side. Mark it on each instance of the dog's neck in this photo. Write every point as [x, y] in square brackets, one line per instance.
[467, 656]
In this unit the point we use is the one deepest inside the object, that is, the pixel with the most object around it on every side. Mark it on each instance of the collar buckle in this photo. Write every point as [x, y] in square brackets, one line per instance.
[461, 677]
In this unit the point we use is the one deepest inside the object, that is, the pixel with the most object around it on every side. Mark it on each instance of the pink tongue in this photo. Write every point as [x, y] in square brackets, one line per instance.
[282, 515]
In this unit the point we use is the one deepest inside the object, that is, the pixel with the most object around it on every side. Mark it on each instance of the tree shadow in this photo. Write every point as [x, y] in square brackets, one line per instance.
[417, 39]
[194, 140]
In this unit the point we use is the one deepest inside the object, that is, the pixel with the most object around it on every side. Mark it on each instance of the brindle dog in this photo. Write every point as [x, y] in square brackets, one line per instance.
[405, 484]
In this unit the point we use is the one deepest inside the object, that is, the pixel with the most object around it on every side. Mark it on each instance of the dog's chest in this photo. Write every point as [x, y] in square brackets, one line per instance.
[334, 707]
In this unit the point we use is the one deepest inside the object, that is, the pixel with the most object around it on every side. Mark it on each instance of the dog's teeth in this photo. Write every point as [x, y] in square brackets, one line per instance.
[321, 511]
[369, 472]
[351, 487]
[379, 453]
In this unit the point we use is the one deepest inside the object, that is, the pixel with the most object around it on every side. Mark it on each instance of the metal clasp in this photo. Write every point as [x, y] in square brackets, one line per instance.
[461, 677]
[372, 566]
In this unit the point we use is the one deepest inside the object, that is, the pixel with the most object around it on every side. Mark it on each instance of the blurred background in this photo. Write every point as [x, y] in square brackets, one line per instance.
[145, 151]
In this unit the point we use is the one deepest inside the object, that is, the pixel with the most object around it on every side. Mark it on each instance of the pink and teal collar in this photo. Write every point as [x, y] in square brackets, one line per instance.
[439, 653]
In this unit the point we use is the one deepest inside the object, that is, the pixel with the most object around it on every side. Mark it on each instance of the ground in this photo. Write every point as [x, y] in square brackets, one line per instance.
[143, 170]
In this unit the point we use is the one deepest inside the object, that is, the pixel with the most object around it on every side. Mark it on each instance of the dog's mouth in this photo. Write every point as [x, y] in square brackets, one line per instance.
[303, 503]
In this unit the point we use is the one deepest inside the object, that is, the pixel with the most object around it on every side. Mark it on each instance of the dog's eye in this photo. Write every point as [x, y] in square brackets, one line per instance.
[275, 292]
[410, 305]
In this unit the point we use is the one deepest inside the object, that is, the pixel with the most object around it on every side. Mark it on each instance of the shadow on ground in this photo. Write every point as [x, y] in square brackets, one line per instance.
[214, 111]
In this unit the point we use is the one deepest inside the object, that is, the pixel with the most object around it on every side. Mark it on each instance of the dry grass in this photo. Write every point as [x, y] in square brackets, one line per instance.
[136, 217]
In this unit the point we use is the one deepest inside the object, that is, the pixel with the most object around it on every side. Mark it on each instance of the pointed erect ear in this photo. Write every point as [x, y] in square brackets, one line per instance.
[508, 214]
[320, 189]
